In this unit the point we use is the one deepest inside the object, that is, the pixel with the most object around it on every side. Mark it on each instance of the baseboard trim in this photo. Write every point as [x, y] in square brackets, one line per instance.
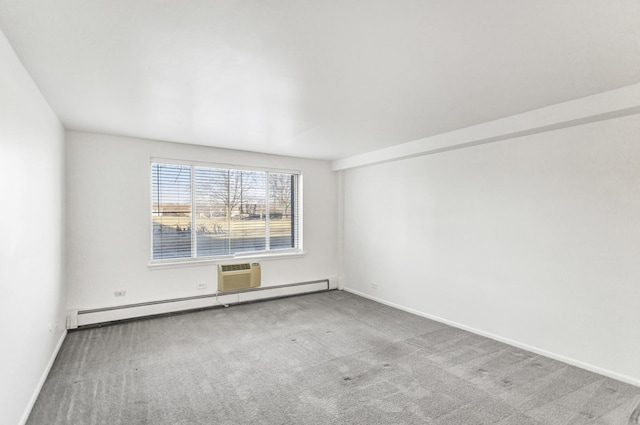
[98, 316]
[43, 378]
[573, 362]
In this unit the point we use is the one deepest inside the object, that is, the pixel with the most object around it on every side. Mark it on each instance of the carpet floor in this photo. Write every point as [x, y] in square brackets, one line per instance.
[325, 358]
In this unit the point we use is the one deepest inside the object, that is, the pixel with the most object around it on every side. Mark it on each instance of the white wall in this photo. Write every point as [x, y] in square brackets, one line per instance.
[32, 278]
[533, 240]
[108, 221]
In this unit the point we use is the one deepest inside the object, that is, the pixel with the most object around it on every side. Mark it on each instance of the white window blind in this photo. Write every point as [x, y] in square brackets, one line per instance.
[171, 210]
[200, 211]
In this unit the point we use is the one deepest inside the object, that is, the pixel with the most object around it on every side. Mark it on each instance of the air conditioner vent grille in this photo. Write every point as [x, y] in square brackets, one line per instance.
[235, 267]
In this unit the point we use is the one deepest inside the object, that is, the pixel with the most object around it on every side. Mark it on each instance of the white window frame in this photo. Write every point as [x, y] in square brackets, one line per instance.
[245, 255]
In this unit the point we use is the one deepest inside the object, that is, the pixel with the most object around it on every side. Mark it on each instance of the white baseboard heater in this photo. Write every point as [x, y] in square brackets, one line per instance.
[79, 318]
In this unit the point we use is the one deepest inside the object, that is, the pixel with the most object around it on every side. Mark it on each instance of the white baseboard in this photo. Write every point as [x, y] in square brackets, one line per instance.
[43, 378]
[112, 314]
[334, 282]
[587, 366]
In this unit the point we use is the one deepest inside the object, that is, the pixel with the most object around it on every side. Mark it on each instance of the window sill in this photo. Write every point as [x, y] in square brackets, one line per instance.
[198, 262]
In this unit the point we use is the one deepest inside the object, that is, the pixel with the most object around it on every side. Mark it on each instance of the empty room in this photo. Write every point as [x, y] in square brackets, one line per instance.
[320, 212]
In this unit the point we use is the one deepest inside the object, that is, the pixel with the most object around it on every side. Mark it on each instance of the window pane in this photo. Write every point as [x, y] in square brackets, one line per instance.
[171, 210]
[212, 218]
[281, 210]
[248, 208]
[229, 211]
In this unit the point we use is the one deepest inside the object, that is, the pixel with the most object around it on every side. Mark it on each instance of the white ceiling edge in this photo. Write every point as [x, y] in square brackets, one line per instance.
[610, 104]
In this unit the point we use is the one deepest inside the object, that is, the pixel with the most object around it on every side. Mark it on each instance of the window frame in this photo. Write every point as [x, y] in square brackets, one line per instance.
[243, 255]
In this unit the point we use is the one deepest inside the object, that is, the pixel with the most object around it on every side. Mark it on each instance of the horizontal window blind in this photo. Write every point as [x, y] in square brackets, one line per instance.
[200, 211]
[171, 210]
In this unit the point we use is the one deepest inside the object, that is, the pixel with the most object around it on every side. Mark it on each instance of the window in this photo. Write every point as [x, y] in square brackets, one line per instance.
[205, 211]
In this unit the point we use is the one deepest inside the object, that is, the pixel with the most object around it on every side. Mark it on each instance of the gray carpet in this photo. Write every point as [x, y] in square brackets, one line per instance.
[327, 358]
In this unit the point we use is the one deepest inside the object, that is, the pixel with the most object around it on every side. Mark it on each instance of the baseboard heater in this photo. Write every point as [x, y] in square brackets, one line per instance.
[80, 318]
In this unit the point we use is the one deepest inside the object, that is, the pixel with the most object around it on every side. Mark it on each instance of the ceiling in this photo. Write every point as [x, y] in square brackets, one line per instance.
[323, 79]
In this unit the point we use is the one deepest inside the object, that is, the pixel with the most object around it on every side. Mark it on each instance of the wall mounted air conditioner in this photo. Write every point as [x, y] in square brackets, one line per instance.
[232, 277]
